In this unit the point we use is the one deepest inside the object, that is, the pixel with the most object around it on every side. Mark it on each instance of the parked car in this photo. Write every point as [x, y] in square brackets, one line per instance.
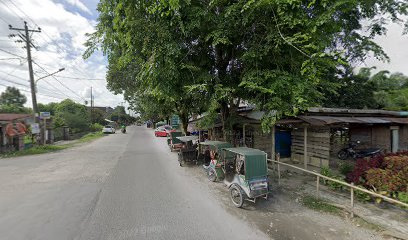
[163, 131]
[108, 129]
[160, 132]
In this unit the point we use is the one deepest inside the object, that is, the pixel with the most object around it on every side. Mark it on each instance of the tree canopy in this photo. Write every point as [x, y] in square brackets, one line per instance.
[195, 56]
[12, 101]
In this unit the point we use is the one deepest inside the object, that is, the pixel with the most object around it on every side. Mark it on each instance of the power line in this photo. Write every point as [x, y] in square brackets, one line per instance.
[54, 87]
[24, 90]
[21, 84]
[53, 41]
[2, 50]
[11, 9]
[60, 49]
[60, 82]
[89, 79]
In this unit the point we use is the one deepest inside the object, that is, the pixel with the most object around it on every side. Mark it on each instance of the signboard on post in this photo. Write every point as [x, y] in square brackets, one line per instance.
[35, 128]
[45, 115]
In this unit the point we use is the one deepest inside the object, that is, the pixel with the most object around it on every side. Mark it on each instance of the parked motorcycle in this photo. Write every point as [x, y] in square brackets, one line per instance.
[350, 151]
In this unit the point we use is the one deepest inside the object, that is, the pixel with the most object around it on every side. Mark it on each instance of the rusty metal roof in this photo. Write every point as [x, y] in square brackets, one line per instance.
[13, 116]
[328, 120]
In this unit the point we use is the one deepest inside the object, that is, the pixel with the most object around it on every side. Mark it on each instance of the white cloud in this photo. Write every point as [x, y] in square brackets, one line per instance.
[395, 45]
[79, 5]
[60, 45]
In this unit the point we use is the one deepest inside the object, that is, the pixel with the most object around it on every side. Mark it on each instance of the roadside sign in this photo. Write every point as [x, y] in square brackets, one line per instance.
[35, 128]
[45, 115]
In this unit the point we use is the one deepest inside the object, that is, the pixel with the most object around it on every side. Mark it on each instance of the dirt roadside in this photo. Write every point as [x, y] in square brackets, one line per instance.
[283, 215]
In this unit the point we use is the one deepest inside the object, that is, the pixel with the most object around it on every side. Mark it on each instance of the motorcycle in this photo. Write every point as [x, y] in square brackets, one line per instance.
[350, 151]
[123, 130]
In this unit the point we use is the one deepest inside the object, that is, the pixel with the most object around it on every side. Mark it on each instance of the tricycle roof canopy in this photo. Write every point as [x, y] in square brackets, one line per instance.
[187, 138]
[245, 151]
[215, 143]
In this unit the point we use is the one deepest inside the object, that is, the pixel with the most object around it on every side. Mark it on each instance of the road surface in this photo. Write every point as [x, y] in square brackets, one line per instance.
[123, 186]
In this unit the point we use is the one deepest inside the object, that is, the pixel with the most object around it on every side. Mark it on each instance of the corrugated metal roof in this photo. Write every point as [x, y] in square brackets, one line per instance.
[13, 116]
[328, 120]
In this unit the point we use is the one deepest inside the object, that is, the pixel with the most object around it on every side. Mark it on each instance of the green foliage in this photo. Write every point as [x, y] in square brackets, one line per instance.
[49, 107]
[325, 171]
[362, 196]
[98, 116]
[194, 56]
[12, 101]
[403, 197]
[95, 127]
[345, 168]
[12, 96]
[73, 115]
[355, 91]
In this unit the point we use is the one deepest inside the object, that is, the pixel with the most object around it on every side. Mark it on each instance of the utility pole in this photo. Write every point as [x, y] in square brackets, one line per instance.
[91, 106]
[26, 38]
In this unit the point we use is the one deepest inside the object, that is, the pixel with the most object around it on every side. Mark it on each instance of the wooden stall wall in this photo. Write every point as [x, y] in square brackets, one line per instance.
[372, 136]
[261, 141]
[403, 133]
[318, 146]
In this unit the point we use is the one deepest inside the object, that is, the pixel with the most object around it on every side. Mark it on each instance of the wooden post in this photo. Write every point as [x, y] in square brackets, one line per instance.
[352, 200]
[243, 135]
[279, 173]
[317, 187]
[305, 146]
[273, 146]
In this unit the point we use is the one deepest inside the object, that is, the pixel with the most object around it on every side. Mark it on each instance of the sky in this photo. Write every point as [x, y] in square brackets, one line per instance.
[60, 43]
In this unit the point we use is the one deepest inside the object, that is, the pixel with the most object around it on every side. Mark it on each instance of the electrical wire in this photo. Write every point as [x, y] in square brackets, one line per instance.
[59, 48]
[28, 91]
[89, 79]
[60, 82]
[2, 50]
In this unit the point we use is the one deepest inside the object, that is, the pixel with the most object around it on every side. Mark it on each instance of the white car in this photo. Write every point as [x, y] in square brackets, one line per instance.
[108, 129]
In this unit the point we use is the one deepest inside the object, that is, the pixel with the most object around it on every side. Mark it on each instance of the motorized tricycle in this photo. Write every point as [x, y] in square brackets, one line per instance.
[211, 150]
[246, 174]
[188, 150]
[173, 142]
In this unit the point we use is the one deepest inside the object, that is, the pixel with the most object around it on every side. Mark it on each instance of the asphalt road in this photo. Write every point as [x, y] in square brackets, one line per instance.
[123, 186]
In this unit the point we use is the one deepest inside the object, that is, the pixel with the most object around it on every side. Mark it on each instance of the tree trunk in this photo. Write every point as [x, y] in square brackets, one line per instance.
[184, 122]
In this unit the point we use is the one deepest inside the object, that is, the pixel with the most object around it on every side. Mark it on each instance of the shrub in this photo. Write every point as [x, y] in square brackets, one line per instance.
[345, 168]
[403, 197]
[358, 175]
[95, 127]
[362, 196]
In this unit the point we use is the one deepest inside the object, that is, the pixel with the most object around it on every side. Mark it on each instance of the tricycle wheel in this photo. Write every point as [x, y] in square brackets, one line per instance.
[237, 197]
[212, 176]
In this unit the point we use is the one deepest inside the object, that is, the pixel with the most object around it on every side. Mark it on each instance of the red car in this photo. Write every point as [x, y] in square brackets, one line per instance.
[163, 131]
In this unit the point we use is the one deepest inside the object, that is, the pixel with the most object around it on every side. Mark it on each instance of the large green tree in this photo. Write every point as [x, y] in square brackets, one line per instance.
[12, 101]
[277, 54]
[73, 115]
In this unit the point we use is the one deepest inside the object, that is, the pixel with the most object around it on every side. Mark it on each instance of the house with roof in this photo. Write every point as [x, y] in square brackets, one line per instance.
[315, 136]
[13, 128]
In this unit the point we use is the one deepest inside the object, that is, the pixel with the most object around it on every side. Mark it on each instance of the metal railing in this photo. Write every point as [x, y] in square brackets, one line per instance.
[351, 186]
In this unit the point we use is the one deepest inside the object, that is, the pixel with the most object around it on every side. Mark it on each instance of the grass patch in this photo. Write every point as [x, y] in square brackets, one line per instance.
[52, 148]
[319, 205]
[91, 136]
[35, 150]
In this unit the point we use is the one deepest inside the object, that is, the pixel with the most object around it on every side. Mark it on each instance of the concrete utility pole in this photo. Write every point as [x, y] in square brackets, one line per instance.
[25, 36]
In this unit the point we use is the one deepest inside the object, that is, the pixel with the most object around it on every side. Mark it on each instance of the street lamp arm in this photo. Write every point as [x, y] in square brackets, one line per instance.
[59, 70]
